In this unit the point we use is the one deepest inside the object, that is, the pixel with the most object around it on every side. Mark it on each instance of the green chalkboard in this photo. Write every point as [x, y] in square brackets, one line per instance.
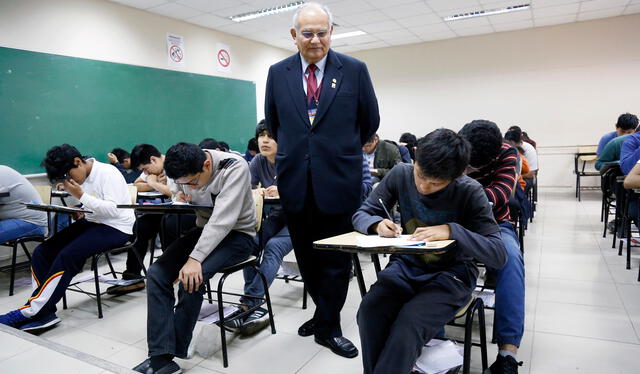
[47, 99]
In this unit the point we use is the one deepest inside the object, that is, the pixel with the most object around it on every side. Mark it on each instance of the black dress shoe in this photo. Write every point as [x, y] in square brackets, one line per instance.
[145, 367]
[308, 328]
[340, 346]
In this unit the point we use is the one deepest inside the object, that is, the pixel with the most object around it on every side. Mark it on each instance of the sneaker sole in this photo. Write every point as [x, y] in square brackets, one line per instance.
[41, 327]
[254, 327]
[123, 290]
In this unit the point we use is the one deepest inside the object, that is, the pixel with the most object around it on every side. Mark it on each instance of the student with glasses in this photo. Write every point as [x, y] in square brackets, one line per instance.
[222, 237]
[100, 188]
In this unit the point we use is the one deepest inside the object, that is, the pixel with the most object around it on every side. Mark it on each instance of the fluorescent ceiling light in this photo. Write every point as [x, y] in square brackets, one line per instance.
[490, 12]
[347, 35]
[266, 12]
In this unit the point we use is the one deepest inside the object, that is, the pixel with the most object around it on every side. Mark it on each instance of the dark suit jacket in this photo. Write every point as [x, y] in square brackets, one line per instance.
[387, 156]
[330, 151]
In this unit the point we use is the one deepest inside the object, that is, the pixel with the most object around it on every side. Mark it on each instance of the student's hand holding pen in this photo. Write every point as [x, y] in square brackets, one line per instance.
[182, 197]
[388, 229]
[432, 233]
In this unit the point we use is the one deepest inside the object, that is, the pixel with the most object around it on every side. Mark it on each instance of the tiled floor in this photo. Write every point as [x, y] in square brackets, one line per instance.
[582, 305]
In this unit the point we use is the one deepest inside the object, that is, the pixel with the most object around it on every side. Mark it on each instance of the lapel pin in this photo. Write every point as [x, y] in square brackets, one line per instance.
[333, 83]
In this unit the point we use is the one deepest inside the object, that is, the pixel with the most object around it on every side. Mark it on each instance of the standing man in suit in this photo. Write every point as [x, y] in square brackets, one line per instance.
[321, 108]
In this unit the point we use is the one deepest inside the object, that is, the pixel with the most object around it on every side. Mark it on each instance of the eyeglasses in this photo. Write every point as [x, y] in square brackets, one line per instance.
[320, 34]
[193, 182]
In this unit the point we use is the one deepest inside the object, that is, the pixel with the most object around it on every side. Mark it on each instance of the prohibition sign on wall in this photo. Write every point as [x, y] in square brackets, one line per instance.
[176, 54]
[223, 58]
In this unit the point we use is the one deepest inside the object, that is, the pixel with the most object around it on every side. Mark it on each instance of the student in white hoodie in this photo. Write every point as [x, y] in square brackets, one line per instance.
[99, 187]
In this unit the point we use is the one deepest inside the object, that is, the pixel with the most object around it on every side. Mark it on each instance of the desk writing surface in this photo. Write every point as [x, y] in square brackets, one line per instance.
[56, 208]
[165, 207]
[349, 242]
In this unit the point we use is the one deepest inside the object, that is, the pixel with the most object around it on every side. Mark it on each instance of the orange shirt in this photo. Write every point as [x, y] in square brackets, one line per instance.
[524, 170]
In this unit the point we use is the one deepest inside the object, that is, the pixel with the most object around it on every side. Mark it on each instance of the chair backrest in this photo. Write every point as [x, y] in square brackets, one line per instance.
[258, 200]
[133, 192]
[45, 193]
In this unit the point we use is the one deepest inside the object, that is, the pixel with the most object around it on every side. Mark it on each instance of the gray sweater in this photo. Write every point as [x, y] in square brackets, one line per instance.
[229, 193]
[21, 192]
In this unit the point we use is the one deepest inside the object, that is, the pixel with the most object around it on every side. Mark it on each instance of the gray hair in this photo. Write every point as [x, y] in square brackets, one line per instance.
[304, 6]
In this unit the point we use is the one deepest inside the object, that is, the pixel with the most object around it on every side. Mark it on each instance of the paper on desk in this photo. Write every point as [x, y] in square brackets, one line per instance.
[371, 241]
[438, 356]
[209, 312]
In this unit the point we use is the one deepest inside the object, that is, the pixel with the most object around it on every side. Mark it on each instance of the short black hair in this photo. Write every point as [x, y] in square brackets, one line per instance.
[224, 146]
[209, 143]
[252, 145]
[59, 160]
[408, 138]
[513, 135]
[262, 127]
[120, 154]
[372, 138]
[183, 159]
[443, 154]
[141, 154]
[515, 128]
[627, 121]
[485, 139]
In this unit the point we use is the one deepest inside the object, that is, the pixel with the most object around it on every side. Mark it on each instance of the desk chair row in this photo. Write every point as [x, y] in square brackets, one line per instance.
[617, 198]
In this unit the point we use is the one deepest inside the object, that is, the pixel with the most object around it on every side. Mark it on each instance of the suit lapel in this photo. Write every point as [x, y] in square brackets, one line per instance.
[330, 85]
[294, 79]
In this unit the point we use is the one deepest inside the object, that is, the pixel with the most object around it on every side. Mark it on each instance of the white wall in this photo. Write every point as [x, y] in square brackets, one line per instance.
[102, 30]
[565, 85]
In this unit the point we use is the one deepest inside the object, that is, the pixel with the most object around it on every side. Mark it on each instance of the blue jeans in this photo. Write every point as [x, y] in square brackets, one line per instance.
[13, 228]
[274, 251]
[509, 313]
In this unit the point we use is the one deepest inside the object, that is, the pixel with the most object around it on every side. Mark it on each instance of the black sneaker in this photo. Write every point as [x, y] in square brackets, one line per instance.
[126, 288]
[255, 322]
[233, 321]
[504, 365]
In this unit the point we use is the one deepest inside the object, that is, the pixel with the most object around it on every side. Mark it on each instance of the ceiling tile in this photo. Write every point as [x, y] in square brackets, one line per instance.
[521, 15]
[382, 4]
[174, 10]
[588, 6]
[430, 29]
[364, 18]
[486, 5]
[235, 10]
[238, 29]
[380, 26]
[438, 36]
[555, 20]
[142, 4]
[344, 8]
[440, 5]
[209, 20]
[513, 26]
[404, 41]
[546, 3]
[421, 20]
[559, 10]
[207, 5]
[396, 36]
[475, 31]
[373, 45]
[356, 40]
[604, 13]
[407, 10]
[632, 9]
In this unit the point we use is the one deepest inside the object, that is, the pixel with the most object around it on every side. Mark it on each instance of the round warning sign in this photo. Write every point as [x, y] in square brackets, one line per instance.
[176, 53]
[224, 59]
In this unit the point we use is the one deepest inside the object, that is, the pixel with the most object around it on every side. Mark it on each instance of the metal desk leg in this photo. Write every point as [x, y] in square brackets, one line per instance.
[376, 262]
[359, 276]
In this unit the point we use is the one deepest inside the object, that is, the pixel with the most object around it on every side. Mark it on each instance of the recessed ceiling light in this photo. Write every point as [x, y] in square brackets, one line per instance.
[347, 35]
[266, 11]
[490, 12]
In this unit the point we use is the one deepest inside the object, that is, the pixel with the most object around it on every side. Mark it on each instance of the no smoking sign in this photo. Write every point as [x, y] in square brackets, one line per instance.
[223, 57]
[176, 53]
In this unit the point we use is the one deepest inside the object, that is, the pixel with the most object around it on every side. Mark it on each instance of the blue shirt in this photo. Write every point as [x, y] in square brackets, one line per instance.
[630, 153]
[606, 138]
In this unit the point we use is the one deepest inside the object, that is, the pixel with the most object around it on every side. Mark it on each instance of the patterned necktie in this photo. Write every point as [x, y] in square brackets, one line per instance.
[313, 92]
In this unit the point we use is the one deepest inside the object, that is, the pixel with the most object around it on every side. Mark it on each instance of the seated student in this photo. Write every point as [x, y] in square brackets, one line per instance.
[410, 141]
[121, 159]
[624, 126]
[148, 159]
[381, 157]
[275, 235]
[527, 139]
[630, 151]
[252, 149]
[100, 188]
[415, 296]
[529, 153]
[493, 164]
[16, 221]
[210, 143]
[223, 237]
[514, 138]
[611, 152]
